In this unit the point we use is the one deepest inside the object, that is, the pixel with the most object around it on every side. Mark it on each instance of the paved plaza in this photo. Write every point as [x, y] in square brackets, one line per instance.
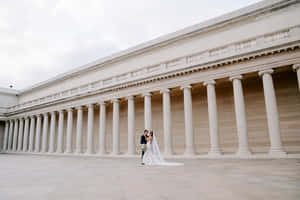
[54, 177]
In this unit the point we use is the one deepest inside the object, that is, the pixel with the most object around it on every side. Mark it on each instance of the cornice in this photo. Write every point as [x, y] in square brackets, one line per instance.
[235, 16]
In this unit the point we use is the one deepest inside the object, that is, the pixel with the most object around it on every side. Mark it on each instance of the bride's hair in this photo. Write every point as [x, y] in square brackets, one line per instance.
[151, 133]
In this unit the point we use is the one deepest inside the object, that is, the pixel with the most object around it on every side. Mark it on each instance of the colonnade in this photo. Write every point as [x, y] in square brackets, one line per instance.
[30, 133]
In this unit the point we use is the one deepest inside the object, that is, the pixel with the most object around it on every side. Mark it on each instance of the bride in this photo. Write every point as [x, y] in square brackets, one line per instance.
[152, 155]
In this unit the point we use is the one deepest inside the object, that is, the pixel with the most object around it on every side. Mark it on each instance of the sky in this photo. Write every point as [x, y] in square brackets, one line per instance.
[40, 39]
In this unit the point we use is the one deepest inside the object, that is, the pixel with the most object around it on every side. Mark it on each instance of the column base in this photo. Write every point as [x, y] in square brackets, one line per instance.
[215, 152]
[243, 153]
[277, 152]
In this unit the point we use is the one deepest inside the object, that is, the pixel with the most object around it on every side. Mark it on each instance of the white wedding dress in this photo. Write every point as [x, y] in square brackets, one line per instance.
[152, 155]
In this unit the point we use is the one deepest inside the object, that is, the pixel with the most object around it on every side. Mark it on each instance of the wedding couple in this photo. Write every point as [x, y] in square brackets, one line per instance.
[150, 151]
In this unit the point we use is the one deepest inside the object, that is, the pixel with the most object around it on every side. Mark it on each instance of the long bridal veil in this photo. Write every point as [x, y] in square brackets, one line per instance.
[159, 159]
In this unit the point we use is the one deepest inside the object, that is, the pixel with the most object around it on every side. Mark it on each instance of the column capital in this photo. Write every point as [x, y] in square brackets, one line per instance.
[147, 94]
[38, 115]
[238, 77]
[267, 71]
[209, 82]
[32, 117]
[165, 90]
[53, 112]
[131, 97]
[61, 111]
[188, 86]
[115, 100]
[70, 109]
[90, 105]
[79, 107]
[296, 67]
[45, 114]
[102, 103]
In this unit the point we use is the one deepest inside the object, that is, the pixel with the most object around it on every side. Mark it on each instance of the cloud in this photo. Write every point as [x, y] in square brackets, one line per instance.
[40, 39]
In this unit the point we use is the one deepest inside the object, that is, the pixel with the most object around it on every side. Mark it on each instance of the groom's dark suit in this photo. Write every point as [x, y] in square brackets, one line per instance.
[144, 142]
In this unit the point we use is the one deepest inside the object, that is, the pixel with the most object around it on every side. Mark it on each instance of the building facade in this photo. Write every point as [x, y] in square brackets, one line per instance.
[227, 87]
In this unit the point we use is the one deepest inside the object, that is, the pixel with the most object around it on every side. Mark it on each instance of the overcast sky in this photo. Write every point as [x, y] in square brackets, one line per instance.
[42, 38]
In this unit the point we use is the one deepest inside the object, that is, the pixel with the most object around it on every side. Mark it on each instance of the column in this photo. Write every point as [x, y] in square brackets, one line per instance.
[31, 133]
[240, 116]
[213, 118]
[15, 138]
[102, 128]
[21, 130]
[90, 127]
[296, 67]
[45, 133]
[26, 128]
[116, 131]
[38, 133]
[147, 111]
[79, 130]
[131, 125]
[69, 131]
[60, 136]
[167, 121]
[5, 135]
[272, 113]
[52, 132]
[10, 135]
[188, 121]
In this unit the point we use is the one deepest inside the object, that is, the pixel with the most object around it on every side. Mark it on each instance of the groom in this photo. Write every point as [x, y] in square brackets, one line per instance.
[143, 143]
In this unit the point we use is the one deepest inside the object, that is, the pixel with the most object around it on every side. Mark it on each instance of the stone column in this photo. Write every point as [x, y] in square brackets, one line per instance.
[116, 131]
[60, 136]
[272, 113]
[10, 135]
[102, 128]
[5, 135]
[240, 116]
[90, 128]
[69, 131]
[296, 67]
[131, 126]
[79, 130]
[38, 133]
[26, 129]
[45, 133]
[213, 118]
[188, 121]
[147, 111]
[21, 130]
[52, 132]
[15, 138]
[31, 133]
[167, 121]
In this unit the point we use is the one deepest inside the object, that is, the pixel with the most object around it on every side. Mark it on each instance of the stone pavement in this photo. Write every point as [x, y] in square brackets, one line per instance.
[55, 177]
